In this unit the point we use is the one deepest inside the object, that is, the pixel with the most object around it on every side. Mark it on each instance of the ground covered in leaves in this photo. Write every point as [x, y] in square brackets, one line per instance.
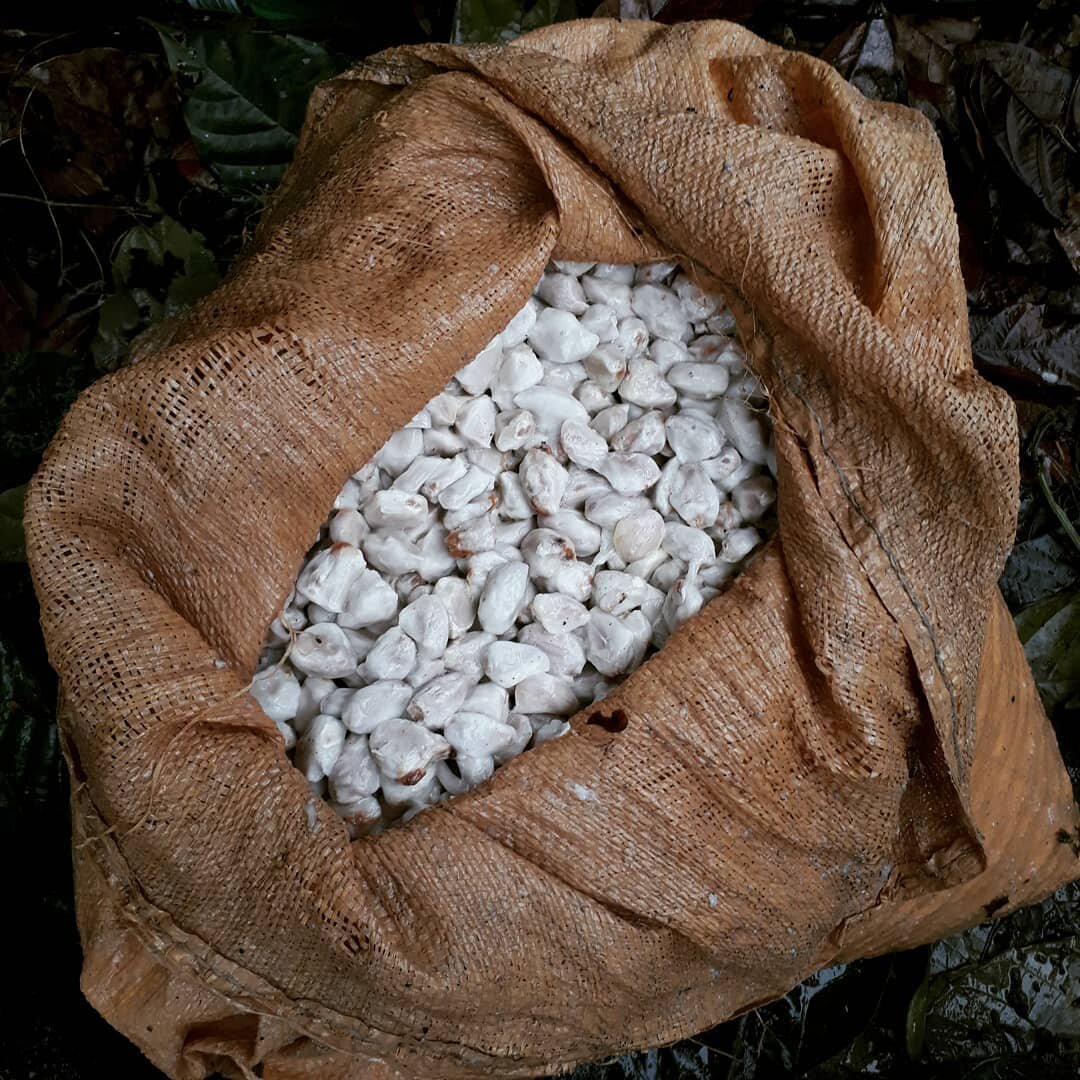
[135, 156]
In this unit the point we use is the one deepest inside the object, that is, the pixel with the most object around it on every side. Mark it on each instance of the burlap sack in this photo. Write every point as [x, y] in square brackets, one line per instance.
[841, 755]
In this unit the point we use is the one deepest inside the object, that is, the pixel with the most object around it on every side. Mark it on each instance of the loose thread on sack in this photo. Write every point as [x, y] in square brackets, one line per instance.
[109, 830]
[155, 775]
[89, 839]
[746, 266]
[742, 284]
[277, 667]
[634, 229]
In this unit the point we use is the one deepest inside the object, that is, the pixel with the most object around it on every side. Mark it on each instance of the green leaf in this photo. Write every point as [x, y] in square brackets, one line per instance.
[119, 320]
[158, 270]
[478, 21]
[248, 103]
[12, 540]
[187, 268]
[1050, 631]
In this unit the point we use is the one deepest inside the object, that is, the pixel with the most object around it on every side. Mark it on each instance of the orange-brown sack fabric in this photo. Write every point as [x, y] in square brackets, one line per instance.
[842, 754]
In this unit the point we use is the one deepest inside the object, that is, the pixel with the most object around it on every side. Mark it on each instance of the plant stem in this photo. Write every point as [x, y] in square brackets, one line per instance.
[1059, 513]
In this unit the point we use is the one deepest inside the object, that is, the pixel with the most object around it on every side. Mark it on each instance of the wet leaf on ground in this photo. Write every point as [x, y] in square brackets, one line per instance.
[503, 20]
[1027, 341]
[1050, 631]
[1038, 568]
[1026, 125]
[866, 57]
[1021, 1002]
[925, 56]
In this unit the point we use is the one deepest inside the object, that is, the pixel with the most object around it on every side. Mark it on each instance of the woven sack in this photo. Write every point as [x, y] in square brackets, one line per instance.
[843, 754]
